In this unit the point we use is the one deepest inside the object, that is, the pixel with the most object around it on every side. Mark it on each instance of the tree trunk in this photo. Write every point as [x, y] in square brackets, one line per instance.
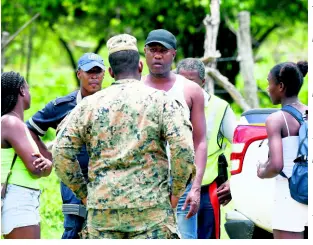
[245, 57]
[29, 51]
[23, 54]
[4, 37]
[211, 24]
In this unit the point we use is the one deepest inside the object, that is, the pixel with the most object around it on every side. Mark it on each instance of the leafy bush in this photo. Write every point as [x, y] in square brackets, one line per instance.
[51, 208]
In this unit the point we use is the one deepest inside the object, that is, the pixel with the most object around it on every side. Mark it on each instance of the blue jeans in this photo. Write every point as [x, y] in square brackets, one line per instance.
[72, 223]
[186, 227]
[206, 222]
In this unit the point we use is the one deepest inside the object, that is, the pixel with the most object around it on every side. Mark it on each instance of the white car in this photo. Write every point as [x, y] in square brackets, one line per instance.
[252, 197]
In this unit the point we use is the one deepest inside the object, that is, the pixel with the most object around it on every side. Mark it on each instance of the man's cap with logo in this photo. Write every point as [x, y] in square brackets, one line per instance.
[121, 42]
[90, 60]
[163, 37]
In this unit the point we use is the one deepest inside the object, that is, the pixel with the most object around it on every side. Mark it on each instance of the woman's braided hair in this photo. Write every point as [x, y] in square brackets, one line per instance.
[11, 82]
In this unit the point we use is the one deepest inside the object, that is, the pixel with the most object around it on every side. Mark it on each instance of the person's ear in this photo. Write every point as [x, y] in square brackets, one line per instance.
[111, 72]
[145, 50]
[282, 86]
[140, 66]
[174, 54]
[78, 74]
[22, 91]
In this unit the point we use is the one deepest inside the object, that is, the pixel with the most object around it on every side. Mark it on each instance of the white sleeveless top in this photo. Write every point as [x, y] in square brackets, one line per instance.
[177, 92]
[288, 214]
[290, 151]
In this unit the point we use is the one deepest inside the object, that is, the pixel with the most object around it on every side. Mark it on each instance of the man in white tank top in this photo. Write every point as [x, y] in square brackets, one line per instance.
[160, 51]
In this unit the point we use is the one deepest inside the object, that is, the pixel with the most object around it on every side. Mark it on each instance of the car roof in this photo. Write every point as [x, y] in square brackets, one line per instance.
[260, 111]
[256, 116]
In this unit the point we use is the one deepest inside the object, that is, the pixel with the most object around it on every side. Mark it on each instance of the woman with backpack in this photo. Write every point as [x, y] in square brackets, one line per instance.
[21, 163]
[290, 216]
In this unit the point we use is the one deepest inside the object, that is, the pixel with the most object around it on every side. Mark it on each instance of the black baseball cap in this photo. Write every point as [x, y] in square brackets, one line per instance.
[163, 37]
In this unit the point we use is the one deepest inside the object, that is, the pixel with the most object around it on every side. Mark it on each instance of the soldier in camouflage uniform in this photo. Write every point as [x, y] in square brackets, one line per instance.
[125, 128]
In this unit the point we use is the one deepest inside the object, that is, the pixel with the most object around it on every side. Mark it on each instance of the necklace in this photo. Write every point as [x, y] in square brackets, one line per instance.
[16, 114]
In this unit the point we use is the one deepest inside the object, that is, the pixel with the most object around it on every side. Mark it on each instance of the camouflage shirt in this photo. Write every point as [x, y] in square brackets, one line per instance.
[125, 128]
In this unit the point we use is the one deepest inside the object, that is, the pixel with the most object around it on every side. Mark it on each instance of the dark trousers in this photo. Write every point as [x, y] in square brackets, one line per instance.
[72, 223]
[209, 213]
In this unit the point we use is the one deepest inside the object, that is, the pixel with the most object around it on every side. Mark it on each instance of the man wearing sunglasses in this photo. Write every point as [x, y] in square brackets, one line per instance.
[90, 72]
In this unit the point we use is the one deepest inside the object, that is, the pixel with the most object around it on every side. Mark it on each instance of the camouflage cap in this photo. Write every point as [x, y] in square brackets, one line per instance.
[121, 42]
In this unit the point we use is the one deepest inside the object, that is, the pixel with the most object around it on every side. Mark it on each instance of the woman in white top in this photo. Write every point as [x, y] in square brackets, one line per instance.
[289, 216]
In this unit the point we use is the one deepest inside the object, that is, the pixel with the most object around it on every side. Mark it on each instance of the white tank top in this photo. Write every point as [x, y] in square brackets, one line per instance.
[177, 92]
[290, 151]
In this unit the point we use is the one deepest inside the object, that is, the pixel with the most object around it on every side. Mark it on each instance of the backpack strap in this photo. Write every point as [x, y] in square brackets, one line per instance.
[5, 185]
[285, 123]
[299, 117]
[283, 174]
[293, 112]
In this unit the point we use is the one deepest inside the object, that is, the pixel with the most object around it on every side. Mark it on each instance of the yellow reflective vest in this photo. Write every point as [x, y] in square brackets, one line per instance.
[215, 109]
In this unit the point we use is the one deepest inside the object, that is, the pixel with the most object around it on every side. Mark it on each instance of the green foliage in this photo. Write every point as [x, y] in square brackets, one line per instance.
[51, 208]
[293, 47]
[95, 20]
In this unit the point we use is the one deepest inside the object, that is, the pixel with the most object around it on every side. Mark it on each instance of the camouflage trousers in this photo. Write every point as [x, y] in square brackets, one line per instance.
[150, 223]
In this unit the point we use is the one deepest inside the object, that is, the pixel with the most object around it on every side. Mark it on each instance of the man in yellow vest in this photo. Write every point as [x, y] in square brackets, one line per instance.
[221, 123]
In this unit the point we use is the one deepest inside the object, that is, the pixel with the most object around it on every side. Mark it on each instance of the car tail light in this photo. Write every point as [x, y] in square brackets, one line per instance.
[244, 135]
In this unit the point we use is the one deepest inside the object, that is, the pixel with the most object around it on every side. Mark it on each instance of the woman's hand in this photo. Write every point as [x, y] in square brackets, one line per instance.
[260, 170]
[43, 164]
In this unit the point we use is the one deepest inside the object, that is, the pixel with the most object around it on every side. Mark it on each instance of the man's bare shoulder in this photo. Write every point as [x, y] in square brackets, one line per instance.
[192, 89]
[190, 85]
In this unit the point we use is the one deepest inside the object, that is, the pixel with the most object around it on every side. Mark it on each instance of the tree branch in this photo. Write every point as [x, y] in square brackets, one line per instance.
[99, 46]
[207, 60]
[19, 30]
[228, 86]
[258, 42]
[229, 24]
[69, 52]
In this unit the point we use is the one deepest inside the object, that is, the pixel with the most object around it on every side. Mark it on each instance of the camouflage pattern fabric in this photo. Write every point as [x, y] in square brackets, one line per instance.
[151, 223]
[125, 128]
[121, 42]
